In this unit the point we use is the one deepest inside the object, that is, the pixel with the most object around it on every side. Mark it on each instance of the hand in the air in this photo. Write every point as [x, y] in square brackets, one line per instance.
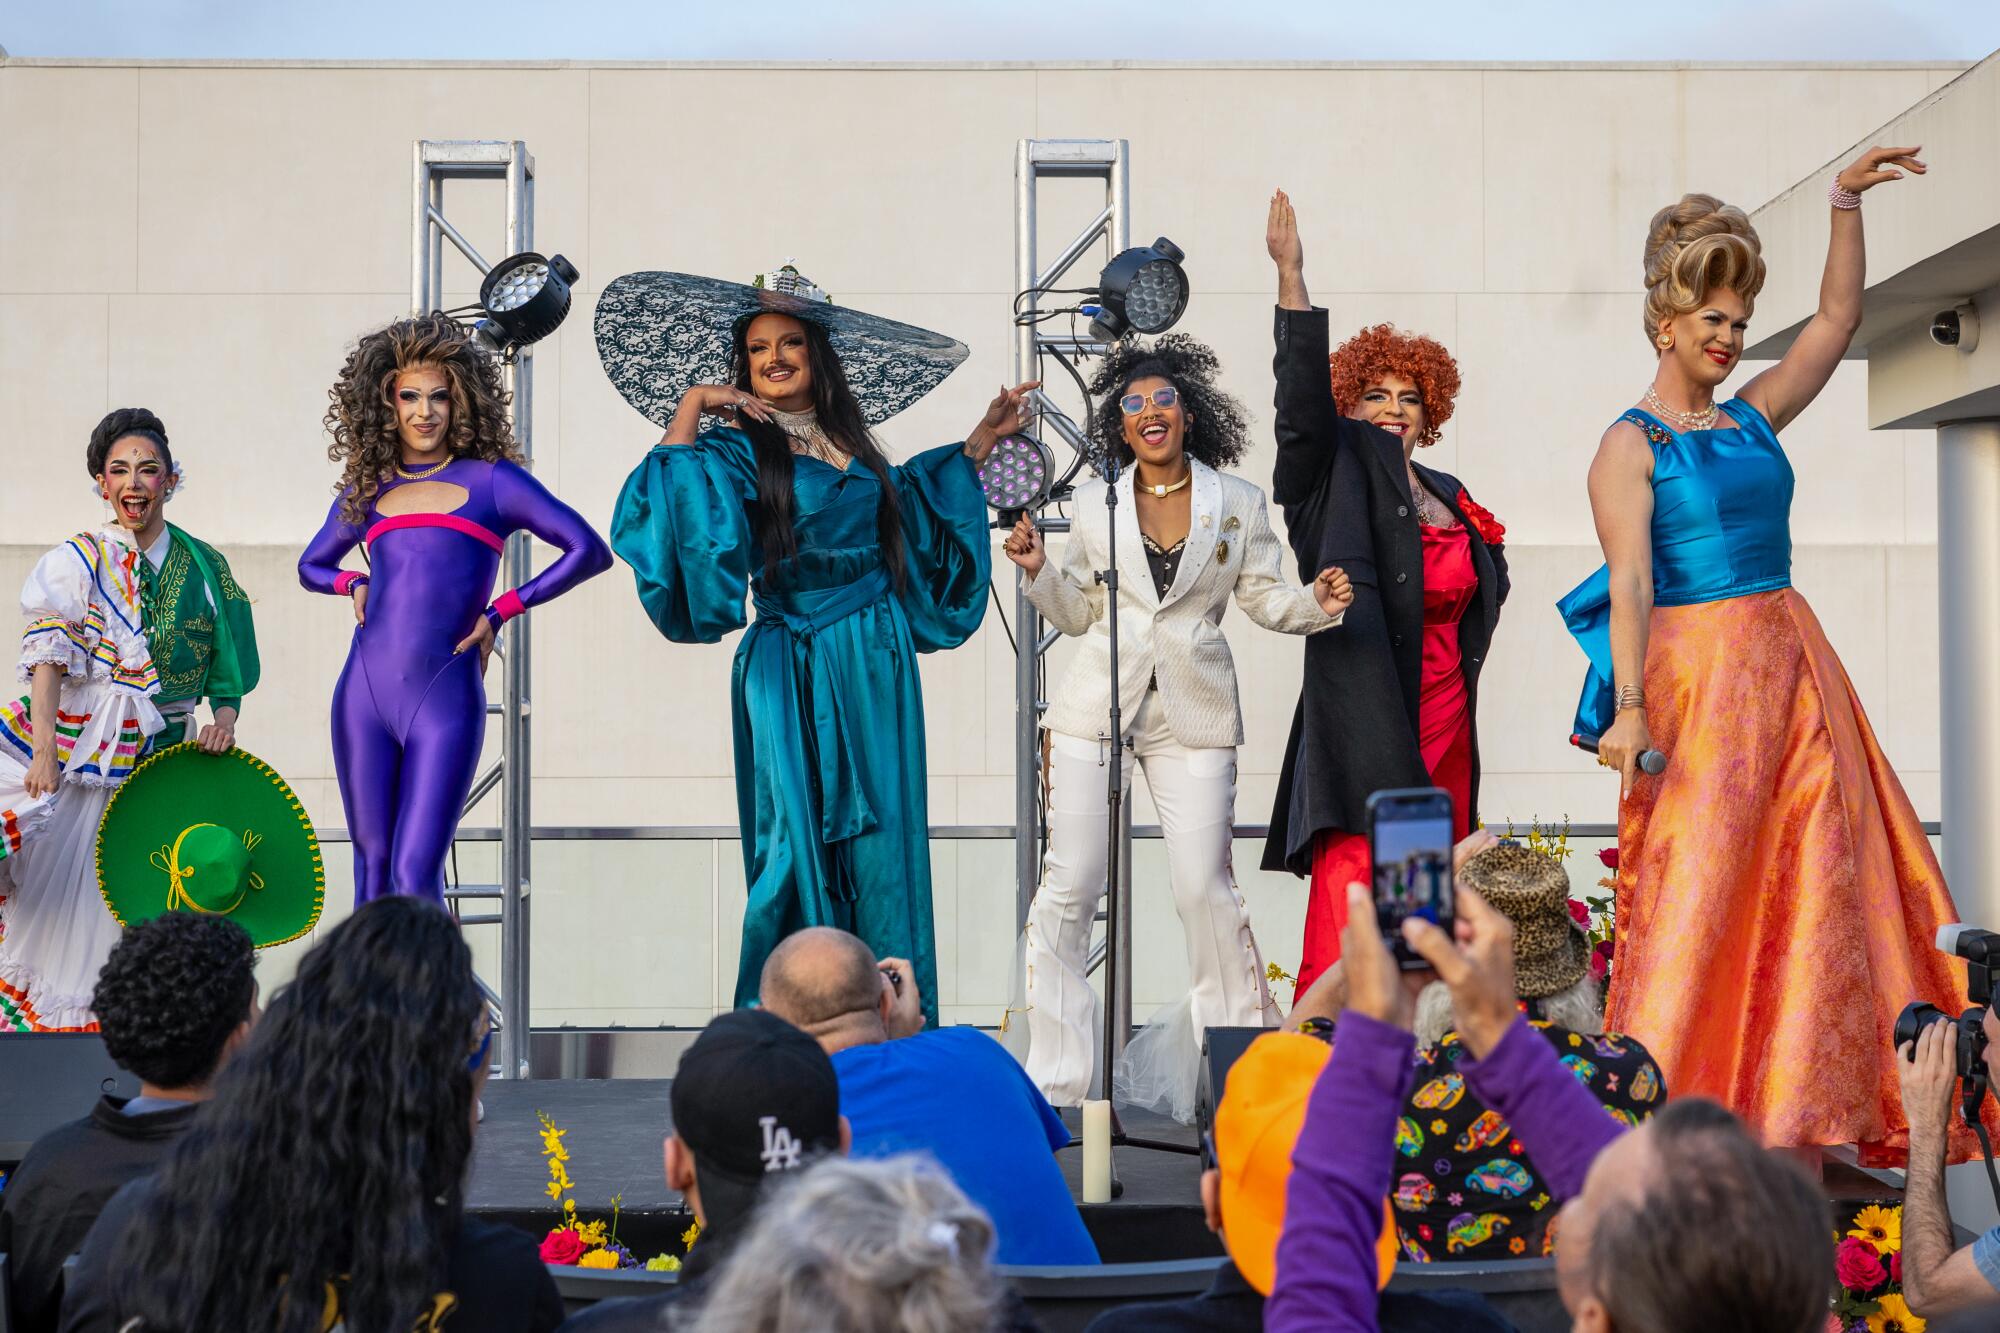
[1008, 414]
[1878, 165]
[1477, 962]
[1024, 546]
[1281, 235]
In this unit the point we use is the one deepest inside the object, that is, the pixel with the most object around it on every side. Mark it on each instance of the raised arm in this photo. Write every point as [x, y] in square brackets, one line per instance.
[1306, 424]
[1271, 599]
[1788, 388]
[1067, 596]
[1621, 501]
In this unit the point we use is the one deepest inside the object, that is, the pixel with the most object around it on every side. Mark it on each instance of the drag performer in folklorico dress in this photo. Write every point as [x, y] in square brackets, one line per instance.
[1777, 898]
[854, 566]
[128, 628]
[1391, 700]
[433, 488]
[1190, 537]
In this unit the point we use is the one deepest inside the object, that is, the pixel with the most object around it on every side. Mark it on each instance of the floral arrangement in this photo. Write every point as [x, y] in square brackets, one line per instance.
[1595, 913]
[593, 1244]
[1868, 1263]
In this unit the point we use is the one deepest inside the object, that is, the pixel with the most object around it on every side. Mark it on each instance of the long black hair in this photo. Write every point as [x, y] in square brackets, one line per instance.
[333, 1150]
[840, 417]
[1217, 431]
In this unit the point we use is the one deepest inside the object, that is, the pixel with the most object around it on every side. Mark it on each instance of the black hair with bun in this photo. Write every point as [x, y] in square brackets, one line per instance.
[119, 424]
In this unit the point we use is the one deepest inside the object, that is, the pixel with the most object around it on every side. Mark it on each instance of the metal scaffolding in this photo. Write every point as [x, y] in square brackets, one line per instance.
[436, 162]
[1036, 160]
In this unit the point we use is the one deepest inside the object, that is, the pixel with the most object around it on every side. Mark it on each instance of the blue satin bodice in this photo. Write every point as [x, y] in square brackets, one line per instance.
[1722, 503]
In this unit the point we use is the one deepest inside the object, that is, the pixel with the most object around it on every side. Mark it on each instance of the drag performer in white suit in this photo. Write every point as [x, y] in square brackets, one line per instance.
[1193, 538]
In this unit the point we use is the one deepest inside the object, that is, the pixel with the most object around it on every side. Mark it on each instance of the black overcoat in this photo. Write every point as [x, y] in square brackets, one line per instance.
[1346, 499]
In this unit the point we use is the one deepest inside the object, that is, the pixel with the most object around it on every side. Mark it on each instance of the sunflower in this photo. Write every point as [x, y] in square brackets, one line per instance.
[1894, 1317]
[1880, 1227]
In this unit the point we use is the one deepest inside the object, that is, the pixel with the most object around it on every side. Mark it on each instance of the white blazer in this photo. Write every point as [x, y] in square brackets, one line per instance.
[1231, 551]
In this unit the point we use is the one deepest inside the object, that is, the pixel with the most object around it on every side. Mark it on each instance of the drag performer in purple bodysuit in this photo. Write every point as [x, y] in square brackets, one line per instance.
[431, 491]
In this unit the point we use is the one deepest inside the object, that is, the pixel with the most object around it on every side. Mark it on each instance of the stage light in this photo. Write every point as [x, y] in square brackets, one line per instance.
[1015, 476]
[526, 298]
[1142, 290]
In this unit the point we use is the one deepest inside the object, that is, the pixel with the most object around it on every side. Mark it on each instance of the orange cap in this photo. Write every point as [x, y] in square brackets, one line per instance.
[1263, 1108]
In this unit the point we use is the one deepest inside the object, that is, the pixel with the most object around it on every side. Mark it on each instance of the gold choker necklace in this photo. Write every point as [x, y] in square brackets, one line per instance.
[430, 471]
[1162, 492]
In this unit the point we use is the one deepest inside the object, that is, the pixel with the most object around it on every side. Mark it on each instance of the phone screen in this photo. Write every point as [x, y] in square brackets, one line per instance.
[1409, 843]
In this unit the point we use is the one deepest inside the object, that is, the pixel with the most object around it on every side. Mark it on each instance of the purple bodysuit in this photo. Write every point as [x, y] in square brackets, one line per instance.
[409, 714]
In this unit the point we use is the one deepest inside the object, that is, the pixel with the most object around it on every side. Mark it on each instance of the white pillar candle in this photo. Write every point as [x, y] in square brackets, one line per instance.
[1097, 1152]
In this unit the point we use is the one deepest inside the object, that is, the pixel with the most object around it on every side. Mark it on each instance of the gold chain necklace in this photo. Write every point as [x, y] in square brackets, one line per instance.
[1162, 492]
[1700, 419]
[430, 471]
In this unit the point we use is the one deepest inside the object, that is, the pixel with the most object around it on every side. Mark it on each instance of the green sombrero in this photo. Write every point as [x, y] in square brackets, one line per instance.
[217, 834]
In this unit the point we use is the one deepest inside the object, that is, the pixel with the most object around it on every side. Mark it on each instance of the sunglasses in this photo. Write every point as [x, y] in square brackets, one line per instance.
[1135, 403]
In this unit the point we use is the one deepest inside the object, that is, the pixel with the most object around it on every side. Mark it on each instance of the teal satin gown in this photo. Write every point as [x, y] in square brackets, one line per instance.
[831, 787]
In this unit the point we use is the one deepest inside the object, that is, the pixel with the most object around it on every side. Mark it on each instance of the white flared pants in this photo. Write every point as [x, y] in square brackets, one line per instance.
[1195, 794]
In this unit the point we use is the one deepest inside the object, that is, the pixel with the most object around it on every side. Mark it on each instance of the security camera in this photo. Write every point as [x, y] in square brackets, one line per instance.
[1957, 327]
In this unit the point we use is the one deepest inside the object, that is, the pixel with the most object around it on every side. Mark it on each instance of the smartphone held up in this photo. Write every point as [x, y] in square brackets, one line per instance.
[1409, 850]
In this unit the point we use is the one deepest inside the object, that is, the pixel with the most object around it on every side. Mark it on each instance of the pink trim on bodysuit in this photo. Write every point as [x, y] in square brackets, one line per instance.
[452, 521]
[344, 581]
[508, 605]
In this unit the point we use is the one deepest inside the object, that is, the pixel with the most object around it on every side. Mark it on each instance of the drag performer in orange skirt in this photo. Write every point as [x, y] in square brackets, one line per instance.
[1393, 703]
[1777, 898]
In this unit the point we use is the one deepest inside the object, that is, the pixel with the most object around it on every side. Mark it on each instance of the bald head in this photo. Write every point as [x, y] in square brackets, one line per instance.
[820, 979]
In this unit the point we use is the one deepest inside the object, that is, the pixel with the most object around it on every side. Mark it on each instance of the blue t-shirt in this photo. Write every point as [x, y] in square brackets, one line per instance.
[958, 1096]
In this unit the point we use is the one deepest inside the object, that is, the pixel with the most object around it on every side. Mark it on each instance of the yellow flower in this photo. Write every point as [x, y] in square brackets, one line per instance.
[691, 1235]
[555, 1190]
[598, 1259]
[1272, 972]
[1880, 1227]
[663, 1263]
[1894, 1316]
[591, 1233]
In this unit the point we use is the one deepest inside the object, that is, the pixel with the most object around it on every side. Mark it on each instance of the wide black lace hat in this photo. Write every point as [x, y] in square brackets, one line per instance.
[659, 334]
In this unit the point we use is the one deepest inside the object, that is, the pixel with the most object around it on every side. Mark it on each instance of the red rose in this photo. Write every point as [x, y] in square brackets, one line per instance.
[1481, 519]
[1600, 960]
[1579, 911]
[1857, 1265]
[1609, 856]
[1896, 1268]
[562, 1246]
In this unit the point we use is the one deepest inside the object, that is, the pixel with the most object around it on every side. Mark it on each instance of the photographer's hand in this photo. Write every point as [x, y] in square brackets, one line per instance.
[1928, 1072]
[1936, 1280]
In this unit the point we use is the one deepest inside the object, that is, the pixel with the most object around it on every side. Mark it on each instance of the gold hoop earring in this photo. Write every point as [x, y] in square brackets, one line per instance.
[1665, 340]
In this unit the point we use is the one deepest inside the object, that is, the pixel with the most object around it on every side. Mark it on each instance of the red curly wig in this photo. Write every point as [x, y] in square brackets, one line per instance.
[1383, 350]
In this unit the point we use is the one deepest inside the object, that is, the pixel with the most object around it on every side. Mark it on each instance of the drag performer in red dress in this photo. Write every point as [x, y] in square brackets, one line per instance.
[1392, 703]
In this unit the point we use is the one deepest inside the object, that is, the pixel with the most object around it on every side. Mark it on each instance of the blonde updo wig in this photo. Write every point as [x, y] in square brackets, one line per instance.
[1697, 246]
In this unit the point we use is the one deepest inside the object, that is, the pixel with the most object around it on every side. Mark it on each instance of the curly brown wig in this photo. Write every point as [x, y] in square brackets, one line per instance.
[1217, 432]
[1386, 350]
[362, 419]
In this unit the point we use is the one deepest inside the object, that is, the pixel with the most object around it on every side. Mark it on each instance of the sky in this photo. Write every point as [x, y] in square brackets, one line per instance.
[848, 30]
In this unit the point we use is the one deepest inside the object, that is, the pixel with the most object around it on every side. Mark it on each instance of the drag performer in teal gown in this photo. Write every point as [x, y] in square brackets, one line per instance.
[853, 567]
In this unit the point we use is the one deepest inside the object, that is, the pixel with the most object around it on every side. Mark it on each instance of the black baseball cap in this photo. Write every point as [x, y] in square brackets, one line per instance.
[753, 1098]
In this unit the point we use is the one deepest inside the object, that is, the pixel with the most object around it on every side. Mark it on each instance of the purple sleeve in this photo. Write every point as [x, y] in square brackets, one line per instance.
[1558, 1120]
[523, 502]
[1327, 1263]
[319, 567]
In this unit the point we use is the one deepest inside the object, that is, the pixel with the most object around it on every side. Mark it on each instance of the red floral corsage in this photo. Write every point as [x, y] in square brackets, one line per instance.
[1488, 527]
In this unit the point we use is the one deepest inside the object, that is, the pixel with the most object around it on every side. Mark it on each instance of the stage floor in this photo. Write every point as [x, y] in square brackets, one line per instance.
[613, 1129]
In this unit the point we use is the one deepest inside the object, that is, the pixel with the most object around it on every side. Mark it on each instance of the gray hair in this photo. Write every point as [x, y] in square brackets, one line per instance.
[1580, 1009]
[854, 1246]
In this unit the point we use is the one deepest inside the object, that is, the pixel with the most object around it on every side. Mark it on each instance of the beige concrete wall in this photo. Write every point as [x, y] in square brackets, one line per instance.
[207, 240]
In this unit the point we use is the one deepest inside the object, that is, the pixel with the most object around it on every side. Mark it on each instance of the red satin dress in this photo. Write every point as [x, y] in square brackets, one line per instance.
[1444, 723]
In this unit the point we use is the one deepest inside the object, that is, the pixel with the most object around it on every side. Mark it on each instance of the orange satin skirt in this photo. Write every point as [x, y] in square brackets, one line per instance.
[1777, 898]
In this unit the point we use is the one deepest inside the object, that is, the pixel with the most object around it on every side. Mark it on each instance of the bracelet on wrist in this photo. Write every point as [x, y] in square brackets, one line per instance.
[1631, 696]
[1840, 198]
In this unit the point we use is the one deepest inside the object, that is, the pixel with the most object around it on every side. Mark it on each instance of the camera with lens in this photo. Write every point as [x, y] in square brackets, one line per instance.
[1981, 951]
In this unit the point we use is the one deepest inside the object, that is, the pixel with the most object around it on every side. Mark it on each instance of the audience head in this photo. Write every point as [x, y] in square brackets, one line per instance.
[1551, 950]
[335, 1143]
[1262, 1110]
[1689, 1203]
[856, 1246]
[828, 984]
[754, 1100]
[176, 998]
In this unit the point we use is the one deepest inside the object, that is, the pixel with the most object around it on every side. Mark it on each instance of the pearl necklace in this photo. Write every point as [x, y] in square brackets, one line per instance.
[1163, 491]
[430, 471]
[1700, 419]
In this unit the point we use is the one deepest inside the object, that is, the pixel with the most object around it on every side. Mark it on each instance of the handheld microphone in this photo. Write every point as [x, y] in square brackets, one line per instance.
[1651, 762]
